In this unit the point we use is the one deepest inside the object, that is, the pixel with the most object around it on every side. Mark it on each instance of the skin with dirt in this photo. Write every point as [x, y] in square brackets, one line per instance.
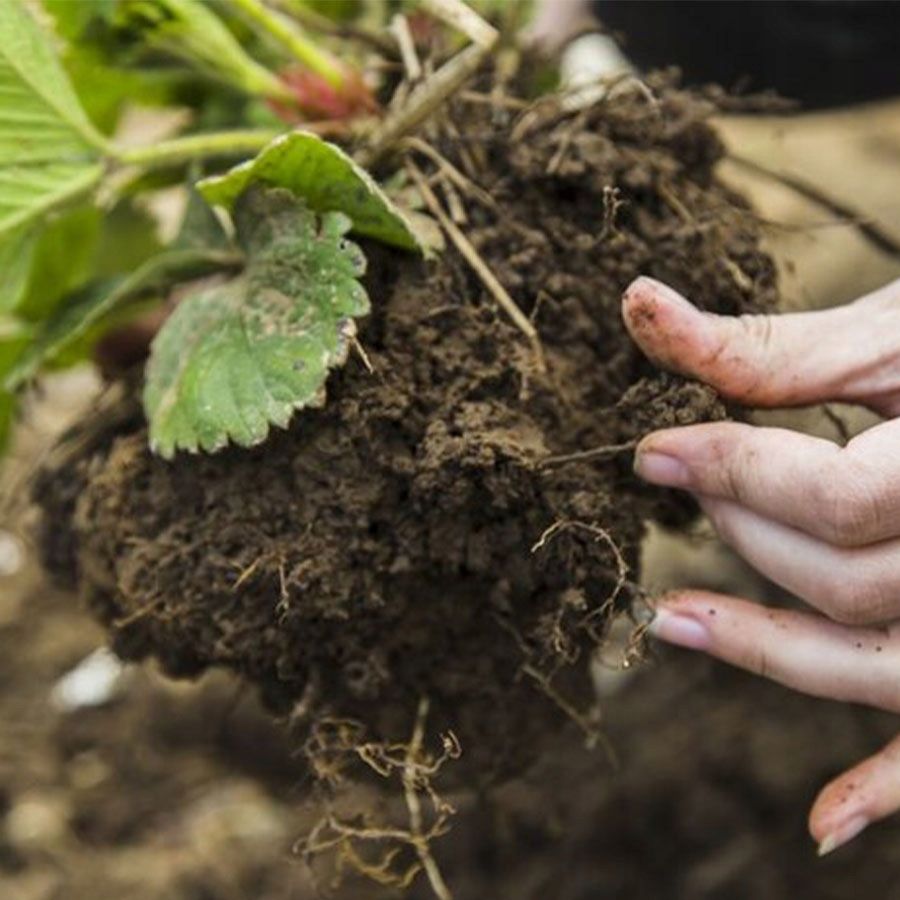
[380, 550]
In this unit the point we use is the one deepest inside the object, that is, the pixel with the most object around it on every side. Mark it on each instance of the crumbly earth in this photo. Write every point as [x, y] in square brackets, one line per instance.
[380, 550]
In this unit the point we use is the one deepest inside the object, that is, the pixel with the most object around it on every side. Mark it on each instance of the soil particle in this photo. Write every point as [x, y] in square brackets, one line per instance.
[380, 550]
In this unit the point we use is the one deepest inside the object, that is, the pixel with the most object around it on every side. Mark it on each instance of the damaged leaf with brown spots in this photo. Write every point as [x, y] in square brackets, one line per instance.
[244, 355]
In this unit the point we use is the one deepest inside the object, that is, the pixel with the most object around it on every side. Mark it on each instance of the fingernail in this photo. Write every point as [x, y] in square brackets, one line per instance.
[682, 631]
[663, 290]
[842, 835]
[660, 468]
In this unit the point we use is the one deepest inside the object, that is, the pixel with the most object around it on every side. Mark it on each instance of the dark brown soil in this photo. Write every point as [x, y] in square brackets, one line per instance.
[380, 550]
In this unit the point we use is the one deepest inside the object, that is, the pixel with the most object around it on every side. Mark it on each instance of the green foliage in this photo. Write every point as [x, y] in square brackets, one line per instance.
[336, 10]
[78, 245]
[16, 254]
[73, 20]
[14, 339]
[326, 178]
[79, 253]
[246, 354]
[49, 150]
[62, 260]
[190, 30]
[84, 309]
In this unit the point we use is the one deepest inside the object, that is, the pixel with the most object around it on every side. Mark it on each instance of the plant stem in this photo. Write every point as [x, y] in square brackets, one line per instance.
[196, 146]
[292, 38]
[427, 97]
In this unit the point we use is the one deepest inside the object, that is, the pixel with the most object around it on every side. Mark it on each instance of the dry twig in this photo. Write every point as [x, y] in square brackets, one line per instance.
[451, 172]
[471, 255]
[460, 15]
[400, 29]
[439, 86]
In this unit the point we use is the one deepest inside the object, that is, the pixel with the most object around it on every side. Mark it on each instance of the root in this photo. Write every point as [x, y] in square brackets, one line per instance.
[587, 722]
[575, 124]
[410, 793]
[332, 746]
[612, 203]
[636, 649]
[600, 534]
[601, 613]
[872, 231]
[565, 650]
[587, 455]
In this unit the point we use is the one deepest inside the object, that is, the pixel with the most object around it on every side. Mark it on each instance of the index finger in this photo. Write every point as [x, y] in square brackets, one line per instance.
[848, 496]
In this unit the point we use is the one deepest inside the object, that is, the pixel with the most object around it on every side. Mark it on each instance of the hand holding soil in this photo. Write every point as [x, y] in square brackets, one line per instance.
[822, 521]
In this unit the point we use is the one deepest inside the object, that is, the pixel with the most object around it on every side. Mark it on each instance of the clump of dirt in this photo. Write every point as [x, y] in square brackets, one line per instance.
[381, 549]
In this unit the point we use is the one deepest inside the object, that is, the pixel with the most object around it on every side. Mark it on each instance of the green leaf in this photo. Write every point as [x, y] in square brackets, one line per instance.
[16, 254]
[128, 238]
[62, 260]
[7, 415]
[233, 360]
[200, 227]
[74, 19]
[325, 177]
[43, 265]
[49, 151]
[191, 30]
[81, 311]
[14, 337]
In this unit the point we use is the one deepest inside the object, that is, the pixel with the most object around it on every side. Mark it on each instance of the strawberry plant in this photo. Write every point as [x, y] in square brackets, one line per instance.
[272, 337]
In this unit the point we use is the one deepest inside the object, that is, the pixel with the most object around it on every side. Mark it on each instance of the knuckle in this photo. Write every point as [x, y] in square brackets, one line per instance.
[757, 338]
[756, 331]
[857, 598]
[735, 472]
[744, 356]
[760, 664]
[852, 507]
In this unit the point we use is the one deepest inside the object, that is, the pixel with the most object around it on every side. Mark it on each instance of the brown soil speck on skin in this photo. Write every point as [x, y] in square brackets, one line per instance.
[380, 549]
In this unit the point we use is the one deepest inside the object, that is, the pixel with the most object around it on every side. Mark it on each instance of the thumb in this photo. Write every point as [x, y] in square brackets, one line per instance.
[849, 353]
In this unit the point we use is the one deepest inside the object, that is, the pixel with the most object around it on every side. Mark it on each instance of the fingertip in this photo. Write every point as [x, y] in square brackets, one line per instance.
[687, 599]
[645, 290]
[829, 838]
[817, 824]
[661, 322]
[843, 808]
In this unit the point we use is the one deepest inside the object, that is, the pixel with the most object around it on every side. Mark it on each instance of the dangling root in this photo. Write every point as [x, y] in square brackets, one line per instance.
[331, 748]
[564, 649]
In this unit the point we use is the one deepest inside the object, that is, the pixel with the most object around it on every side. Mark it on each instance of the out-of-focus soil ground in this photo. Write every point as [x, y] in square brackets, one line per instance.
[187, 791]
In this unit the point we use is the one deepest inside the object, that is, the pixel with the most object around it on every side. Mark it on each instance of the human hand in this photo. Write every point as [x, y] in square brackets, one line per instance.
[822, 521]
